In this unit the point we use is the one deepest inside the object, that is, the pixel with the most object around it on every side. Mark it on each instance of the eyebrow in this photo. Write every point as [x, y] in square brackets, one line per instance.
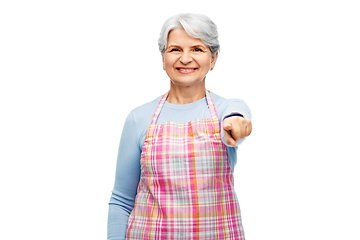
[194, 46]
[198, 45]
[173, 46]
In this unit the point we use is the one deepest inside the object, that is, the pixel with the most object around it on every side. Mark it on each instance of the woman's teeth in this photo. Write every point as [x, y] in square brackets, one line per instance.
[186, 70]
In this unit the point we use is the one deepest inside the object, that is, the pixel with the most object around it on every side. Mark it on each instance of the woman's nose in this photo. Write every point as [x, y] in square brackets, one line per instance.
[185, 57]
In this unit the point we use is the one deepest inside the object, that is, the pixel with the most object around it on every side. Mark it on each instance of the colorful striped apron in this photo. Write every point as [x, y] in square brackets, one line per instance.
[186, 188]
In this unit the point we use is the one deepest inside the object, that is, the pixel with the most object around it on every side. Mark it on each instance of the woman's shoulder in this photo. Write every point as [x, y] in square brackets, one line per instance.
[226, 106]
[216, 98]
[219, 100]
[141, 116]
[146, 107]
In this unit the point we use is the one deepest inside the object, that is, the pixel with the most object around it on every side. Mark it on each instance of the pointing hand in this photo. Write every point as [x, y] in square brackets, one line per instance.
[236, 128]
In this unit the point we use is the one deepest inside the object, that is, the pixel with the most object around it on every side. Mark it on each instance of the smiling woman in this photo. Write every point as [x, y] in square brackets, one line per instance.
[174, 174]
[187, 60]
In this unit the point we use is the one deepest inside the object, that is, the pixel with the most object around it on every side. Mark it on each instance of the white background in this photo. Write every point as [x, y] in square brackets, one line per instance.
[72, 70]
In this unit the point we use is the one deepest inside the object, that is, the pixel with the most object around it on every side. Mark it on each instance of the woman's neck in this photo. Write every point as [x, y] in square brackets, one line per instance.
[185, 95]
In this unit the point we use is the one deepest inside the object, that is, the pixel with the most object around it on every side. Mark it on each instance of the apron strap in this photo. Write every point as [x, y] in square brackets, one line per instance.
[158, 108]
[211, 105]
[164, 97]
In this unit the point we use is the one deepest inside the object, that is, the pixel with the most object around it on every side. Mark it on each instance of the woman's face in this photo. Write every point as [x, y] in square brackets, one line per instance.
[187, 60]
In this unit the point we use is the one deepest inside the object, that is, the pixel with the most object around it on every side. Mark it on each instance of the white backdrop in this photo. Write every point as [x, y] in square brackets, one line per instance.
[71, 71]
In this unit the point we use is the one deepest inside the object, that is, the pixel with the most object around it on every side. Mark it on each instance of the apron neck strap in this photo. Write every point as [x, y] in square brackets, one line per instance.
[163, 100]
[211, 105]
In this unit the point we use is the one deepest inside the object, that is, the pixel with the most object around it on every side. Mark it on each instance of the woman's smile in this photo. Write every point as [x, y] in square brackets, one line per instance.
[183, 70]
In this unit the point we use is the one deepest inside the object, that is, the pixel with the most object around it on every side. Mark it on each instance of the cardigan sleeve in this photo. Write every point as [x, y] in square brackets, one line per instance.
[127, 177]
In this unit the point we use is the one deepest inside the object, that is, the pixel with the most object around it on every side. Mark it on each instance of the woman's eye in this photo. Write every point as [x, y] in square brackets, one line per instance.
[198, 50]
[174, 50]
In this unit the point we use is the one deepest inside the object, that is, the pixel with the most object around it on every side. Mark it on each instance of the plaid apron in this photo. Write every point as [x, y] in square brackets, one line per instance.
[186, 188]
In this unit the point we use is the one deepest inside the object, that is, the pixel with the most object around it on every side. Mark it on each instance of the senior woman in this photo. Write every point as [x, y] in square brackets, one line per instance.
[174, 175]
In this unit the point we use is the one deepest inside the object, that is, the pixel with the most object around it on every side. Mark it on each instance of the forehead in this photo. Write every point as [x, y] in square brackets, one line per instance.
[181, 38]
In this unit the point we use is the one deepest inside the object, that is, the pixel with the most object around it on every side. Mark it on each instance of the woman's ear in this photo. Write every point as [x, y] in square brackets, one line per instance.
[213, 60]
[163, 59]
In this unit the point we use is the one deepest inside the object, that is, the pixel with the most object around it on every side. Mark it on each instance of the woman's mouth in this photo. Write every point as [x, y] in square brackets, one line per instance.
[186, 70]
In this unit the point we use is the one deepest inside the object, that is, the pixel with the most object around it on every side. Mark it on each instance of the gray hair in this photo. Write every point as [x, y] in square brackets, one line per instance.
[196, 25]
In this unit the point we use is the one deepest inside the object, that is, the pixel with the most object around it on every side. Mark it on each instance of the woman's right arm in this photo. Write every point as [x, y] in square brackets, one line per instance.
[127, 177]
